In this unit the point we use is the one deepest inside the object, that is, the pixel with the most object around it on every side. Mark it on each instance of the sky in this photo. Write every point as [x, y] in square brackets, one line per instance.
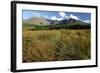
[57, 15]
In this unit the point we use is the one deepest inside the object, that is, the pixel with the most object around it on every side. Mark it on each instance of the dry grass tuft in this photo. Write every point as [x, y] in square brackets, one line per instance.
[56, 45]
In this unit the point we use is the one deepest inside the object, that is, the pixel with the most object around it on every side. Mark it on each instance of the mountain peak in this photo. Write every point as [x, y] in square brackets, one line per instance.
[72, 20]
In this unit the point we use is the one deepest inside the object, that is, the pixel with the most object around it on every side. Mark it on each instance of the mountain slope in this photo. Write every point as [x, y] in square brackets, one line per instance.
[76, 22]
[36, 21]
[40, 23]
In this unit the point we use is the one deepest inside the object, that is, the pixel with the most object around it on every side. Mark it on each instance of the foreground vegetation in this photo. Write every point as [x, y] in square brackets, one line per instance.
[56, 45]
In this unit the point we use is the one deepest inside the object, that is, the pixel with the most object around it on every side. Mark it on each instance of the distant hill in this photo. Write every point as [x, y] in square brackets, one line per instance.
[36, 21]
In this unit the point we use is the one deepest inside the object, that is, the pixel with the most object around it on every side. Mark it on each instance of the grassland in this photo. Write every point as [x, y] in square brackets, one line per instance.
[56, 45]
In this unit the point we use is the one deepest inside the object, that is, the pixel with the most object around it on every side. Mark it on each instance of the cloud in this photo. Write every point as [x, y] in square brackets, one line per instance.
[62, 14]
[74, 17]
[87, 21]
[55, 18]
[46, 17]
[67, 17]
[59, 19]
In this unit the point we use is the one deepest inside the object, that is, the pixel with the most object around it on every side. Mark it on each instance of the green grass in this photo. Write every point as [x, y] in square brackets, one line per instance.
[56, 45]
[56, 26]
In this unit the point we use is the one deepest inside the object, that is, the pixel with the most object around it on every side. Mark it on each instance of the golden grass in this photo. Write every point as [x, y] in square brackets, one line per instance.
[56, 45]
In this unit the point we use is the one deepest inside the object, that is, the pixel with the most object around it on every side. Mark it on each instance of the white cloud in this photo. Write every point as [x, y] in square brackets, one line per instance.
[62, 14]
[46, 17]
[59, 19]
[55, 18]
[87, 21]
[67, 17]
[74, 17]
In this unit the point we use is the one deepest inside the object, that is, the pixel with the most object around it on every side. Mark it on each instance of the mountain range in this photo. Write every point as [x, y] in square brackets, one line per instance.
[44, 21]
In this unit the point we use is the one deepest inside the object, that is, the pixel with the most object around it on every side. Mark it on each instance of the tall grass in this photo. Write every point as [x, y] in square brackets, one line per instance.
[56, 45]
